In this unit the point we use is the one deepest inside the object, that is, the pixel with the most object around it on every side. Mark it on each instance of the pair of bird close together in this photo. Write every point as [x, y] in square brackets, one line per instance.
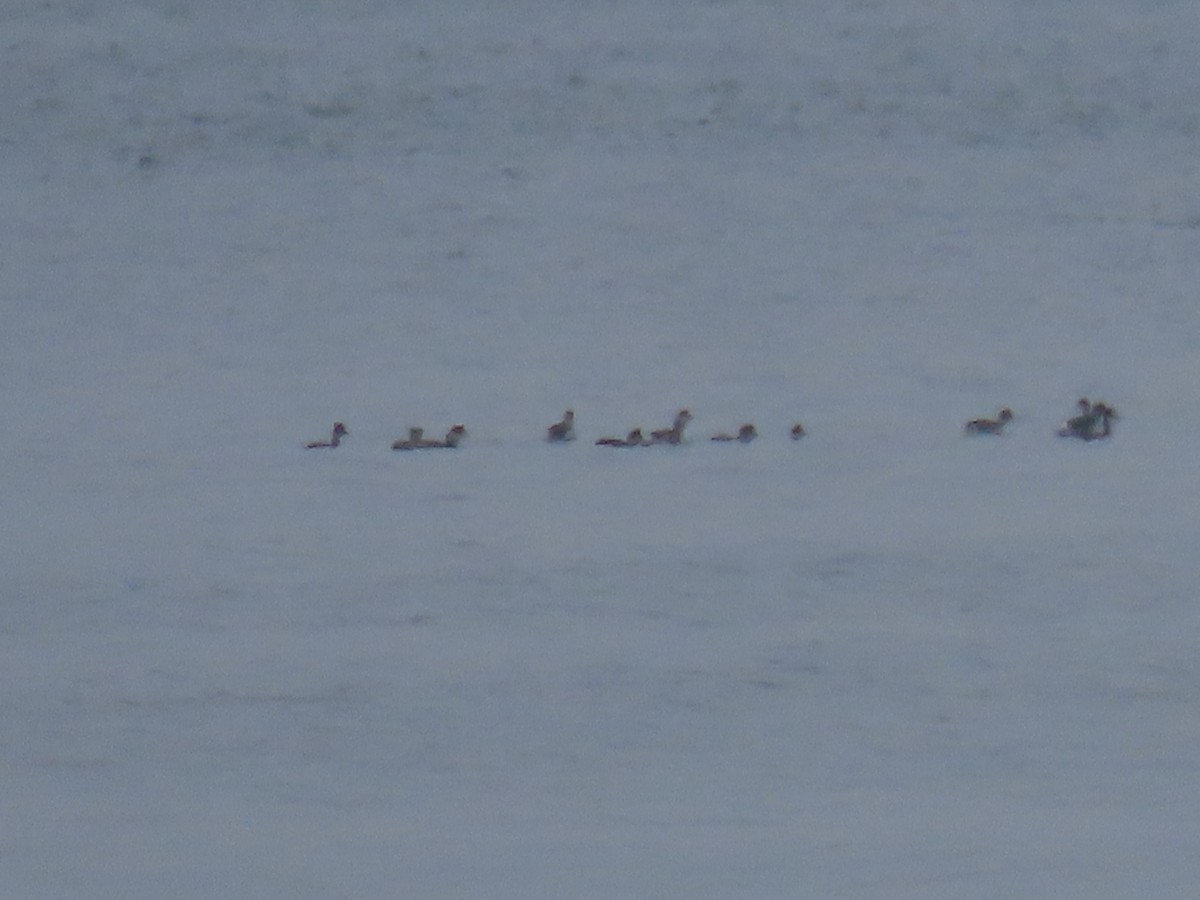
[1092, 423]
[416, 439]
[672, 435]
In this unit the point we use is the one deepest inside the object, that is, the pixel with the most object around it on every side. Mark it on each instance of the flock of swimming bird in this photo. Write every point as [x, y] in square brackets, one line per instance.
[1092, 422]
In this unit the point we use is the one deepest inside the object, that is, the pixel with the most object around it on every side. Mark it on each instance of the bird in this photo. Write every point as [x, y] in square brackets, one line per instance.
[563, 431]
[633, 439]
[415, 440]
[798, 431]
[339, 432]
[990, 426]
[744, 435]
[674, 434]
[453, 436]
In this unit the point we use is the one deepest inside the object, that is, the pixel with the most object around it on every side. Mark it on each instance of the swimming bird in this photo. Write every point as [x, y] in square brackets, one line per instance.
[990, 426]
[415, 440]
[633, 439]
[339, 432]
[674, 434]
[453, 436]
[562, 431]
[745, 435]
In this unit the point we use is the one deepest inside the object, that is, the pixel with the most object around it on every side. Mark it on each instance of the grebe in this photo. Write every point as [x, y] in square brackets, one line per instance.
[633, 439]
[339, 432]
[562, 431]
[414, 441]
[453, 436]
[674, 434]
[990, 426]
[798, 431]
[745, 435]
